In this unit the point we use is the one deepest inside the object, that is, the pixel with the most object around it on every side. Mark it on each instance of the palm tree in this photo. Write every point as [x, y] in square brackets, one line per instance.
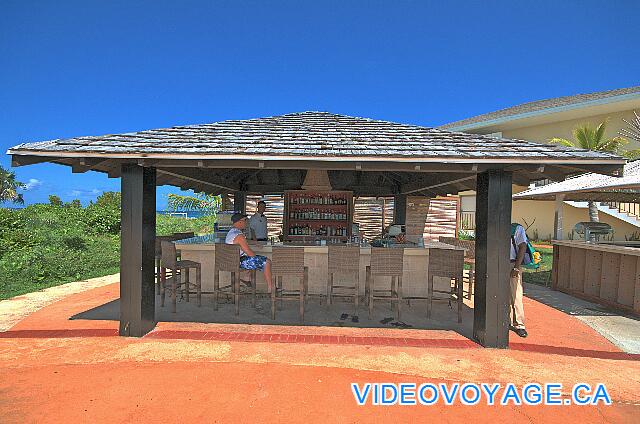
[197, 202]
[590, 138]
[632, 132]
[9, 187]
[208, 203]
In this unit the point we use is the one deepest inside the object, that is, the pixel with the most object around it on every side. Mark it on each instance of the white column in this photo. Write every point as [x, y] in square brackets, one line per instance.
[557, 226]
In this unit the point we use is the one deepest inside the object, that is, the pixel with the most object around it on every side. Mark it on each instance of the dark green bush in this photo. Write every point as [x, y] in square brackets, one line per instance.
[103, 216]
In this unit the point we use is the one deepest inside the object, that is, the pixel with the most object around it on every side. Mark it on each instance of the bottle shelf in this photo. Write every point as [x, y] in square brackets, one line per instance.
[330, 204]
[342, 221]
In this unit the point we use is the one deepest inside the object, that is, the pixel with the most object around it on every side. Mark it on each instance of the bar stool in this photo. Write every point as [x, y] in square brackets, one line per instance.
[470, 259]
[447, 263]
[469, 247]
[345, 260]
[228, 260]
[160, 271]
[288, 262]
[178, 269]
[385, 262]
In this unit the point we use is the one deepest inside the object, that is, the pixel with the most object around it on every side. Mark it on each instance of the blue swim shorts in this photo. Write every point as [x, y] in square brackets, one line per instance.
[253, 262]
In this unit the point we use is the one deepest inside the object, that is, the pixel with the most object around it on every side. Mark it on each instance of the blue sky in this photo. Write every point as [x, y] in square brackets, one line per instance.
[71, 68]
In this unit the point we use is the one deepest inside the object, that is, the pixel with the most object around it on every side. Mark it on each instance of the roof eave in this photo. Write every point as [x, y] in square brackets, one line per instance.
[542, 112]
[64, 154]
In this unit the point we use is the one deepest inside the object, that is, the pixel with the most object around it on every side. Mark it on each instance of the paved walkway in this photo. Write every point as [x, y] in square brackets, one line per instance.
[53, 369]
[621, 330]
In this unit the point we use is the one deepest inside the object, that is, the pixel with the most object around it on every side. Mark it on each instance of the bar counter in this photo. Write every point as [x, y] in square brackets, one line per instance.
[601, 272]
[416, 262]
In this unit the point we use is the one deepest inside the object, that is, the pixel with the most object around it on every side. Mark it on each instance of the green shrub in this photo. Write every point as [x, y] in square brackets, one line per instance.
[167, 224]
[44, 245]
[103, 216]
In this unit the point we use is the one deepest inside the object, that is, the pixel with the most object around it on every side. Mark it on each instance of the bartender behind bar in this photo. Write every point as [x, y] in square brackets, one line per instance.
[258, 223]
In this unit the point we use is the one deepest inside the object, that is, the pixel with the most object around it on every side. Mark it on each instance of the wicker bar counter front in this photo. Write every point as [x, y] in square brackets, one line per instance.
[415, 273]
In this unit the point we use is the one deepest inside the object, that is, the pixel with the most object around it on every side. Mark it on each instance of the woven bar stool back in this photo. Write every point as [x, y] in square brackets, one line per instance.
[160, 271]
[228, 260]
[469, 247]
[179, 274]
[344, 260]
[448, 263]
[227, 257]
[168, 254]
[385, 262]
[288, 262]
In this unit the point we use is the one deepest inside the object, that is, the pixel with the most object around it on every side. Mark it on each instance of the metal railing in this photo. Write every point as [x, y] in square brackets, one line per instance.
[632, 209]
[467, 220]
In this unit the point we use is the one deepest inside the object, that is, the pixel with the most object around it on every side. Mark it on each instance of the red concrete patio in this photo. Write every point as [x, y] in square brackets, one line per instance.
[82, 371]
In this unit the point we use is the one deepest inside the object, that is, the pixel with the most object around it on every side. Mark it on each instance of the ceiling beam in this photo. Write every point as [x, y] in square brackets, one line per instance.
[23, 160]
[181, 177]
[87, 164]
[419, 187]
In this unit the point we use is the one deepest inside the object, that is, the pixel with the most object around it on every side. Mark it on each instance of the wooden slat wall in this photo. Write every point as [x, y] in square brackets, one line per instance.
[564, 270]
[274, 211]
[610, 278]
[417, 212]
[442, 218]
[368, 214]
[593, 273]
[576, 277]
[628, 272]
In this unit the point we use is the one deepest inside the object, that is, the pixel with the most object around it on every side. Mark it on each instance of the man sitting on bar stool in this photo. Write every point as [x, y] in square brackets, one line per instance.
[248, 259]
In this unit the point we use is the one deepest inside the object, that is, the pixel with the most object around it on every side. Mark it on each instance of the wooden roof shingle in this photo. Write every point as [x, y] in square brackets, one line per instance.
[310, 135]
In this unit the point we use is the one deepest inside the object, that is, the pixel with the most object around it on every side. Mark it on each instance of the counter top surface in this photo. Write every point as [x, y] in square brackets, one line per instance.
[208, 242]
[613, 248]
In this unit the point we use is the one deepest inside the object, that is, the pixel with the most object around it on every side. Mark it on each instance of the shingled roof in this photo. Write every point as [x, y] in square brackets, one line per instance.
[309, 135]
[271, 155]
[601, 188]
[525, 109]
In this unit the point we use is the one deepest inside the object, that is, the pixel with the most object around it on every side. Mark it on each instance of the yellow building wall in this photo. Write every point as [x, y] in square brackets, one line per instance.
[539, 215]
[543, 132]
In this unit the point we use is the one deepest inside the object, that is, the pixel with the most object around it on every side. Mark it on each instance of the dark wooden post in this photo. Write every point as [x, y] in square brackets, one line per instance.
[240, 201]
[400, 209]
[137, 250]
[493, 238]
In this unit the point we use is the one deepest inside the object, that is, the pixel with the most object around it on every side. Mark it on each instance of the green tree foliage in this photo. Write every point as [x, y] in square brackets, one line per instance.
[207, 203]
[103, 216]
[590, 138]
[44, 245]
[55, 200]
[198, 202]
[9, 187]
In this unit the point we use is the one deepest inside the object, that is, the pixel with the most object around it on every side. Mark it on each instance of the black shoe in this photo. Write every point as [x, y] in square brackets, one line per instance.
[521, 332]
